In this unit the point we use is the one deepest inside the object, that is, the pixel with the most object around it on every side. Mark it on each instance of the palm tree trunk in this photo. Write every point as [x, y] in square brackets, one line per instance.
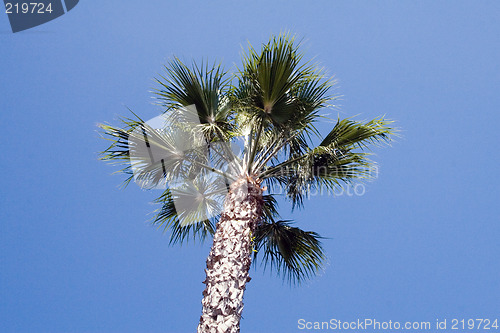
[230, 257]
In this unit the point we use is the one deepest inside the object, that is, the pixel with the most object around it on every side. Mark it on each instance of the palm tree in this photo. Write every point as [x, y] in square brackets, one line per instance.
[251, 136]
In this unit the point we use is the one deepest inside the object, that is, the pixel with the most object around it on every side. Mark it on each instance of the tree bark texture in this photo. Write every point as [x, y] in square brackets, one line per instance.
[230, 257]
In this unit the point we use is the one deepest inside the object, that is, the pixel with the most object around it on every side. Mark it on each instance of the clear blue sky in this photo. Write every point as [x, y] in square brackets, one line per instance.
[423, 242]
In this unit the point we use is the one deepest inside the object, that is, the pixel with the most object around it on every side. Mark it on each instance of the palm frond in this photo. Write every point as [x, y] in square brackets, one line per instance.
[269, 209]
[333, 164]
[280, 96]
[166, 218]
[322, 173]
[295, 254]
[118, 152]
[268, 75]
[155, 156]
[349, 133]
[206, 87]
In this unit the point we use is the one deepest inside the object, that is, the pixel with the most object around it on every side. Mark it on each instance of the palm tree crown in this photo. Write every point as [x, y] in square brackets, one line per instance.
[259, 123]
[273, 103]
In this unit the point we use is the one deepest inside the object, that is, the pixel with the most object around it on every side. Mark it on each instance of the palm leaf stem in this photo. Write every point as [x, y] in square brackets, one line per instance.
[261, 164]
[217, 171]
[255, 146]
[279, 166]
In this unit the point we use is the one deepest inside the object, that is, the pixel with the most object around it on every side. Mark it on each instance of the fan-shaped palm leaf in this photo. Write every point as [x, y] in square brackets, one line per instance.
[294, 253]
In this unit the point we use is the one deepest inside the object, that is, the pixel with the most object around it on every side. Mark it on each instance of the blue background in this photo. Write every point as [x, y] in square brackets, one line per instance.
[77, 253]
